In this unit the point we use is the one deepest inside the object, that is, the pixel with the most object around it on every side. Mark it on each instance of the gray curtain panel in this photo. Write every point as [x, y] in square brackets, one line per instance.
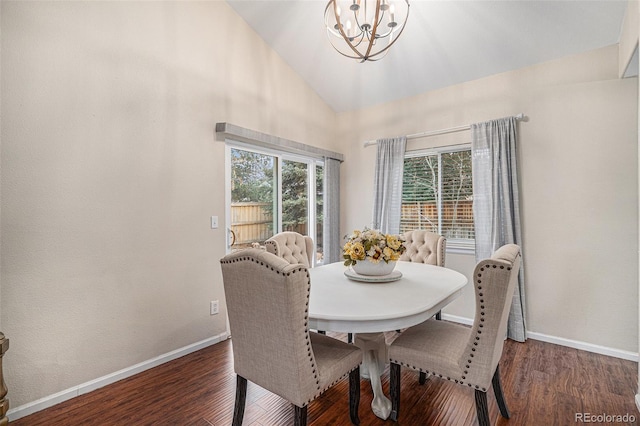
[387, 198]
[332, 243]
[496, 211]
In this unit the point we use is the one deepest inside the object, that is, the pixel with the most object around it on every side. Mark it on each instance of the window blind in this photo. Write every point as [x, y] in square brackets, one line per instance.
[437, 194]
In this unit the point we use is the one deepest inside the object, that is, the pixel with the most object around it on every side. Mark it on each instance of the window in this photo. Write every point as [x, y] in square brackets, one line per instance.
[253, 197]
[270, 192]
[437, 195]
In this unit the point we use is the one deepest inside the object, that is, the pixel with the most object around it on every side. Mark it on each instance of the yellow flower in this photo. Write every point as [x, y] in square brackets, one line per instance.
[357, 252]
[372, 245]
[393, 242]
[391, 254]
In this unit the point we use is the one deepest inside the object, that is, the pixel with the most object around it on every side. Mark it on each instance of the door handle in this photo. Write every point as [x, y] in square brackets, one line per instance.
[233, 237]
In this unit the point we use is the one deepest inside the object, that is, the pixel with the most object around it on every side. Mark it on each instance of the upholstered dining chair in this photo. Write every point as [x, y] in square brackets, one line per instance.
[267, 304]
[467, 356]
[292, 247]
[425, 247]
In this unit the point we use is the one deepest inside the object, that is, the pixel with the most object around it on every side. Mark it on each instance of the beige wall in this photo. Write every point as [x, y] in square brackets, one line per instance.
[110, 173]
[578, 185]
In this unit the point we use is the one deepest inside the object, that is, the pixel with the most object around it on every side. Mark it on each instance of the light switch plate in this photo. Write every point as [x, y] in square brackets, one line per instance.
[214, 222]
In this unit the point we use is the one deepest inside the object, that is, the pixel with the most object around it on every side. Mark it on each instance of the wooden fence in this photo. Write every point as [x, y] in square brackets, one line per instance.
[253, 222]
[457, 219]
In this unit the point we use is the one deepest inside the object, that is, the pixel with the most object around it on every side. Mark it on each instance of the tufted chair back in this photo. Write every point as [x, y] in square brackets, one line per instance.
[279, 336]
[292, 247]
[469, 357]
[424, 247]
[268, 307]
[495, 280]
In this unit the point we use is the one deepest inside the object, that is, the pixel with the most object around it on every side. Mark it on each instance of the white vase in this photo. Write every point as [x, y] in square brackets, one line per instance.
[364, 267]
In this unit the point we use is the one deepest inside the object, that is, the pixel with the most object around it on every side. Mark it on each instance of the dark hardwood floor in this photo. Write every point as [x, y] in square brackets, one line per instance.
[544, 384]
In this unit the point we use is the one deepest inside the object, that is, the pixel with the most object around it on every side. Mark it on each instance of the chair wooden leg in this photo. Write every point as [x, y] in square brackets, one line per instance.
[439, 316]
[354, 395]
[394, 390]
[300, 416]
[497, 389]
[482, 409]
[349, 337]
[423, 378]
[241, 398]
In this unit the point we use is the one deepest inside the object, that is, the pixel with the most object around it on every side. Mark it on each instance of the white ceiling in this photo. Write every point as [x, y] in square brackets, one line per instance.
[444, 43]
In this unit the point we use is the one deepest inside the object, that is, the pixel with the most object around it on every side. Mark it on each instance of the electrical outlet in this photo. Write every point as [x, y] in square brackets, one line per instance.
[214, 307]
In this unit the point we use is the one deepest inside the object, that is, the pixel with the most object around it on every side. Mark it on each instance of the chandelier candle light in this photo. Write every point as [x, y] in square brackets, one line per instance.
[365, 29]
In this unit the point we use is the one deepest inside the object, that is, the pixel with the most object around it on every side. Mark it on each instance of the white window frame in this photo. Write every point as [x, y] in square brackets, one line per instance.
[454, 245]
[280, 156]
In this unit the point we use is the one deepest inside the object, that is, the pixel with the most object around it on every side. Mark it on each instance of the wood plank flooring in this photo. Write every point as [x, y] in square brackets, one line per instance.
[544, 384]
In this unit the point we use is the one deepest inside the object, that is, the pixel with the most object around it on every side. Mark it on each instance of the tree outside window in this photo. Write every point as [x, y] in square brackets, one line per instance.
[437, 194]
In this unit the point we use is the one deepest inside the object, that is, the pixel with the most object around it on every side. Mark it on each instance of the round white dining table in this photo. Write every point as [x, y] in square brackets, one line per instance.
[341, 304]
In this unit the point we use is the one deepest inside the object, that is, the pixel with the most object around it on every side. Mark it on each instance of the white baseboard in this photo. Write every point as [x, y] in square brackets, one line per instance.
[589, 347]
[51, 400]
[459, 320]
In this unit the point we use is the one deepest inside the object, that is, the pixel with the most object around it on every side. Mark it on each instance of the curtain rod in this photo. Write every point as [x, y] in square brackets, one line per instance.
[438, 132]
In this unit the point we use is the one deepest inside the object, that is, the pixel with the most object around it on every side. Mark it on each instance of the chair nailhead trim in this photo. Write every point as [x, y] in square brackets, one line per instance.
[320, 392]
[433, 373]
[306, 312]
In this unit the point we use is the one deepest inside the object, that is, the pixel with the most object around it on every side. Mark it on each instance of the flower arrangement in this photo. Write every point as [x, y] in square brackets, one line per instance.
[372, 245]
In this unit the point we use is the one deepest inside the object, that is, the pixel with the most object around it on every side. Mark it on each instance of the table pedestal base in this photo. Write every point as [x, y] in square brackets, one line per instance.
[375, 357]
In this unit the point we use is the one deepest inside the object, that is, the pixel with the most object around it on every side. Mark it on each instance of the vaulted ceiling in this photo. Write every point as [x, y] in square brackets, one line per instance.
[444, 43]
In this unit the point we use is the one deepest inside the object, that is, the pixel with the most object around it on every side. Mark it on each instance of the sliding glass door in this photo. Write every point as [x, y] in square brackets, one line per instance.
[254, 198]
[295, 197]
[269, 192]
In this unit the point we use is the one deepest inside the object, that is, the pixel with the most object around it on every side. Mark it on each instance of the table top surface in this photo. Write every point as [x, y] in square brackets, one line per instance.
[338, 303]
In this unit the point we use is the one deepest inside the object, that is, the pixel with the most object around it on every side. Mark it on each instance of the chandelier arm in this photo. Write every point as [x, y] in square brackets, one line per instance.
[389, 45]
[381, 18]
[397, 36]
[344, 36]
[359, 57]
[373, 31]
[360, 37]
[357, 22]
[378, 36]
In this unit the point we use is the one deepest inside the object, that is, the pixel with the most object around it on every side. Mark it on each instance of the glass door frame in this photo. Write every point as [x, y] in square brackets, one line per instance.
[280, 156]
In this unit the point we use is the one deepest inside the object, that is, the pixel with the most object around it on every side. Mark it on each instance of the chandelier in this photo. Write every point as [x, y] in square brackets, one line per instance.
[365, 29]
